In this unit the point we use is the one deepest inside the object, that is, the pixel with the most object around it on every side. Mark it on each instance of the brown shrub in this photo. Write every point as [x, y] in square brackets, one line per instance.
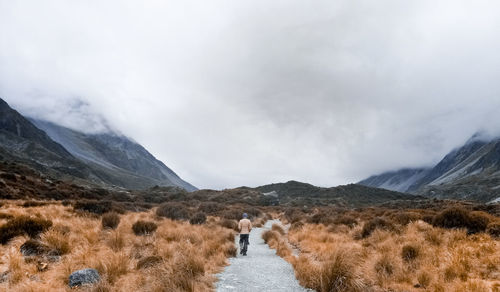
[63, 229]
[293, 215]
[234, 214]
[198, 218]
[113, 266]
[93, 206]
[148, 262]
[28, 204]
[144, 227]
[5, 216]
[172, 210]
[494, 229]
[434, 236]
[347, 220]
[452, 218]
[283, 249]
[296, 226]
[269, 235]
[410, 252]
[457, 217]
[478, 221]
[424, 279]
[189, 265]
[376, 223]
[384, 266]
[428, 219]
[231, 250]
[116, 241]
[252, 212]
[307, 272]
[278, 228]
[405, 218]
[231, 224]
[320, 218]
[338, 274]
[8, 176]
[23, 225]
[450, 273]
[259, 222]
[110, 220]
[210, 208]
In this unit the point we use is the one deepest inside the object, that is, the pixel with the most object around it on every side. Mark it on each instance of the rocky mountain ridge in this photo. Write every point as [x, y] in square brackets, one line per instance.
[107, 160]
[470, 172]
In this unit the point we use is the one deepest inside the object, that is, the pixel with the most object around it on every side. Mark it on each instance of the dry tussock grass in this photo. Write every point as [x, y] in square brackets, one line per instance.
[412, 257]
[177, 257]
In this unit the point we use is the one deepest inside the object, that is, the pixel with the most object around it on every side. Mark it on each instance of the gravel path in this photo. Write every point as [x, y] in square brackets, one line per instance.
[262, 270]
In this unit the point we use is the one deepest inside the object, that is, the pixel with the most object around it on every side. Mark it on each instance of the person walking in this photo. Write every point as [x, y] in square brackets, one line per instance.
[244, 226]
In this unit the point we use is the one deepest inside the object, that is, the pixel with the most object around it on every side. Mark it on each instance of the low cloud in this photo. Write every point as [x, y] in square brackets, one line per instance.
[252, 92]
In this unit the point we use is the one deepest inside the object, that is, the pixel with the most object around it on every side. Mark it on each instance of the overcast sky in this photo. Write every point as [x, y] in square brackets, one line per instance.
[250, 92]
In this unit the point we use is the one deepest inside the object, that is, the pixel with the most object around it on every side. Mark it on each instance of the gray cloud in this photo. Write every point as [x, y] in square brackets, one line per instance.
[232, 93]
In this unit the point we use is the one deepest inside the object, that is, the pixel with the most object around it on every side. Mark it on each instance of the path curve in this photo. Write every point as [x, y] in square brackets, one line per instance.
[262, 270]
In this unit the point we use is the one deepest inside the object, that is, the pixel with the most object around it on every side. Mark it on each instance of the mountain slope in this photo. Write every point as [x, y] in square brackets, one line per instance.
[114, 154]
[17, 128]
[470, 172]
[20, 140]
[105, 160]
[353, 195]
[399, 181]
[454, 165]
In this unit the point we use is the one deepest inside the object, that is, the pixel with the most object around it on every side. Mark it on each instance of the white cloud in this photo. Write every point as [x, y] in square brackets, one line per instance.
[231, 93]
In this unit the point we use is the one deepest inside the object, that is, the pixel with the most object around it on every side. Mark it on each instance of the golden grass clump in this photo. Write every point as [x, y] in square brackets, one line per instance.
[57, 241]
[116, 240]
[278, 228]
[409, 255]
[338, 273]
[177, 257]
[270, 235]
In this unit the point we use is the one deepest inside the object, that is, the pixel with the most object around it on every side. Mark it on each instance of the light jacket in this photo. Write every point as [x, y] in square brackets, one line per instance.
[245, 226]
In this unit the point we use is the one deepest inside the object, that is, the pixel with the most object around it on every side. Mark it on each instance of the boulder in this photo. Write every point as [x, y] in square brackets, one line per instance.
[84, 277]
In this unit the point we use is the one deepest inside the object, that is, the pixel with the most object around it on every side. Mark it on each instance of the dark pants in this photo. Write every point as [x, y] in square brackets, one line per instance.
[244, 239]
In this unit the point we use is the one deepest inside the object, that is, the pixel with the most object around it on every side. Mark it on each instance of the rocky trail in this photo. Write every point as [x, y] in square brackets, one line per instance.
[262, 270]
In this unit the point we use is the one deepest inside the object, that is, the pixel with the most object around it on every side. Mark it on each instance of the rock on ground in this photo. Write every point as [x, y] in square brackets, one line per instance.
[82, 277]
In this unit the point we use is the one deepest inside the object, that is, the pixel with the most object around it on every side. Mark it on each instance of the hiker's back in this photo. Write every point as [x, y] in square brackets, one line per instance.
[245, 226]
